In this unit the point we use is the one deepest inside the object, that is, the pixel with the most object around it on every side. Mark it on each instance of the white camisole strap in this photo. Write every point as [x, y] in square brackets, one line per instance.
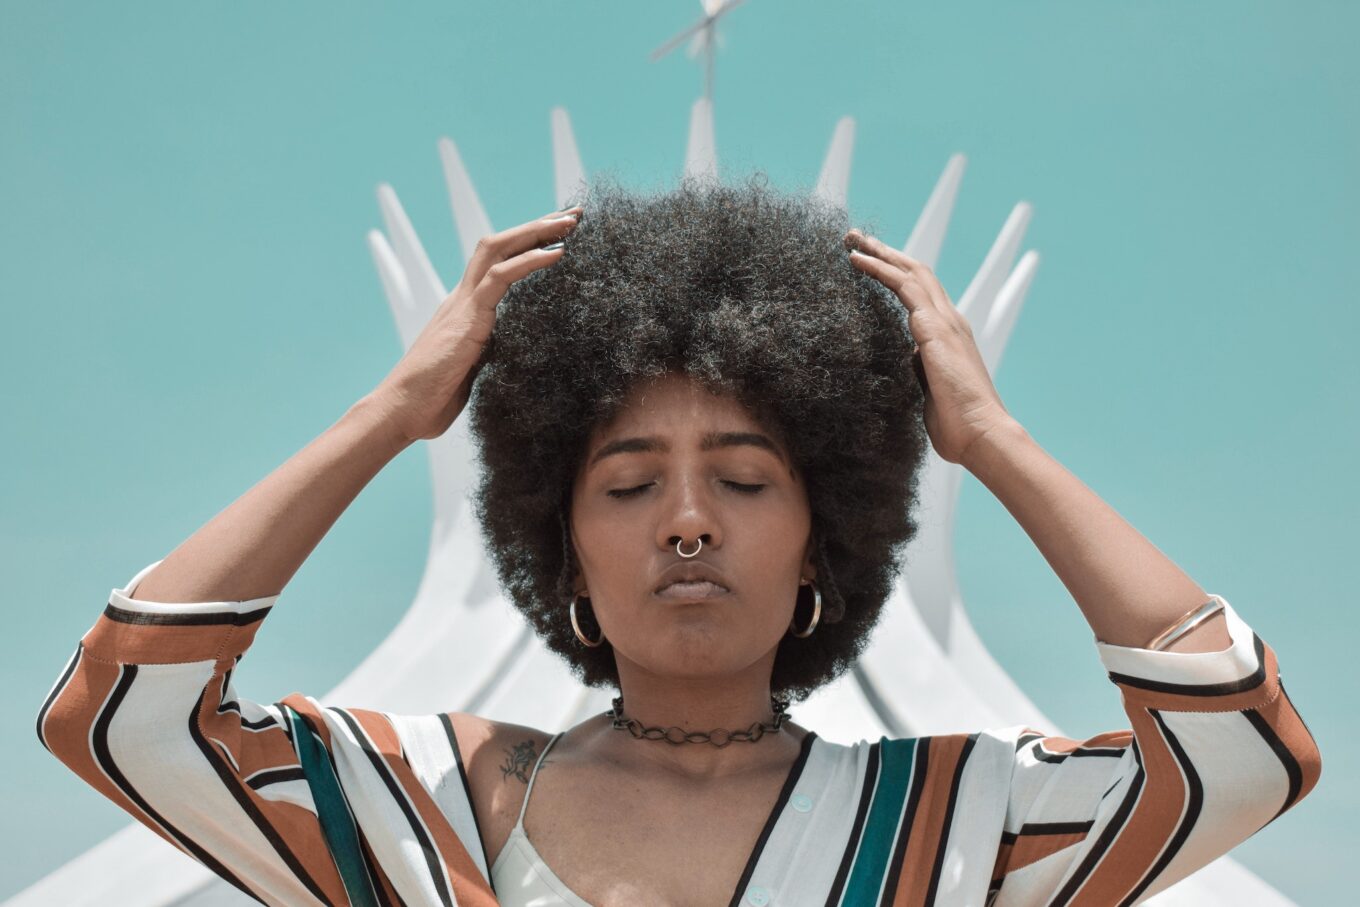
[520, 876]
[524, 807]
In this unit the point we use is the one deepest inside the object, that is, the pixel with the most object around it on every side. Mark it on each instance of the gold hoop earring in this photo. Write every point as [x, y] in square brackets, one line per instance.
[577, 627]
[816, 613]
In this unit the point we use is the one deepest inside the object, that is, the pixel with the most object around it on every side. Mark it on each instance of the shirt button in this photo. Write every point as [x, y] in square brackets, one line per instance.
[801, 802]
[757, 895]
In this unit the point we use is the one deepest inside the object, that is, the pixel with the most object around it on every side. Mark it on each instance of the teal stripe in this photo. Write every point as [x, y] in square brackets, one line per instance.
[337, 823]
[880, 828]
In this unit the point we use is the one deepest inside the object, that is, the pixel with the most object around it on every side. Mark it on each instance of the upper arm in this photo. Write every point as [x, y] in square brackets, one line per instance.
[1214, 752]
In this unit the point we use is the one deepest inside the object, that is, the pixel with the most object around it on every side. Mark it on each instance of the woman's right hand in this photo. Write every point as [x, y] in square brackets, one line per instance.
[431, 384]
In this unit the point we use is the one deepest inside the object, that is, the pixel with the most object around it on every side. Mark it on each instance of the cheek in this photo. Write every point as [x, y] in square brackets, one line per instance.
[606, 544]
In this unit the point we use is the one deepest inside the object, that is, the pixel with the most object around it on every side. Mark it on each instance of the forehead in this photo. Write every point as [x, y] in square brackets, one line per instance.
[675, 402]
[677, 408]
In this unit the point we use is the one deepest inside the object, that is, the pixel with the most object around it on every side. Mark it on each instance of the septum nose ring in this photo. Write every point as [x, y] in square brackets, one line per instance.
[699, 543]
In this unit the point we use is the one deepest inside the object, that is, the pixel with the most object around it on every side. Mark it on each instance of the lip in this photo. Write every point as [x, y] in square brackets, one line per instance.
[692, 591]
[691, 572]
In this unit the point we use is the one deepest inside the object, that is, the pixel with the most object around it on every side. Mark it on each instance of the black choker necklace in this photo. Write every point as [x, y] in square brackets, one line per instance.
[717, 736]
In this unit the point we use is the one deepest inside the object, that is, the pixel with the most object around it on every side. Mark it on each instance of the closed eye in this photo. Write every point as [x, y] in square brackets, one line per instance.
[626, 492]
[636, 490]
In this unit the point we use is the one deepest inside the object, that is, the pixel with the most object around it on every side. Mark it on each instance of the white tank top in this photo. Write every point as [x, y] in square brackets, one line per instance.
[519, 876]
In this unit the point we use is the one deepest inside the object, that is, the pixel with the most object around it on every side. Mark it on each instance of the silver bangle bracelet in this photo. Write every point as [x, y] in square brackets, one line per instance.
[1187, 623]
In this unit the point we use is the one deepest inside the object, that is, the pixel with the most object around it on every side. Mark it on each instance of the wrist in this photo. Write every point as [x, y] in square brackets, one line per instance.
[379, 423]
[988, 450]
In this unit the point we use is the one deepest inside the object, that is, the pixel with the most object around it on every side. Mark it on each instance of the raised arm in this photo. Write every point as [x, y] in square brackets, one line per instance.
[252, 548]
[1215, 749]
[1127, 589]
[145, 710]
[1214, 752]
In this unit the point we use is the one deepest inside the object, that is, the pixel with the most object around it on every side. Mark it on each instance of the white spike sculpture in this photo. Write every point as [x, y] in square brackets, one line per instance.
[925, 671]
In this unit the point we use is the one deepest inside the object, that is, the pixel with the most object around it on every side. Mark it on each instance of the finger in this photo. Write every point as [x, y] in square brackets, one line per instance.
[500, 275]
[918, 269]
[907, 289]
[498, 247]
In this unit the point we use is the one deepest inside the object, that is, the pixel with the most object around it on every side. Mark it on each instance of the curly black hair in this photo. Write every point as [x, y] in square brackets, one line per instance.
[750, 292]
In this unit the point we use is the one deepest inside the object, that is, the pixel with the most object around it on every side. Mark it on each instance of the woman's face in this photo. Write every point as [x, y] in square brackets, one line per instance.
[678, 463]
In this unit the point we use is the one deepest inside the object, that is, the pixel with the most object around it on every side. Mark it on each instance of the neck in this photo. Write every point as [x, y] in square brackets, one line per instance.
[699, 705]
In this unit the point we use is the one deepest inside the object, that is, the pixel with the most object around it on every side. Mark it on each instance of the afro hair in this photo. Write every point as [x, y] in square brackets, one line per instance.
[749, 291]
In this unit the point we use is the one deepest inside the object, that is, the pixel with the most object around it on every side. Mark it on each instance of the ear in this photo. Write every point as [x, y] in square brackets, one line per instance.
[578, 580]
[809, 559]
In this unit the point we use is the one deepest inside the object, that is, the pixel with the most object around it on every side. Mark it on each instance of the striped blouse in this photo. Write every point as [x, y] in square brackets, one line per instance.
[146, 713]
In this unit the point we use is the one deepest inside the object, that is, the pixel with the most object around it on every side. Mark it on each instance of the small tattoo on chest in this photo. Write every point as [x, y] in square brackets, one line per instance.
[519, 758]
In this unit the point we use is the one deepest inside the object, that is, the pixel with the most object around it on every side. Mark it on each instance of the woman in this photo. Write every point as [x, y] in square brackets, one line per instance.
[701, 421]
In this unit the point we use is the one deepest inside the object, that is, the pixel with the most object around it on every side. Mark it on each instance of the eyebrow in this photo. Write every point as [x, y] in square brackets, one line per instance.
[711, 441]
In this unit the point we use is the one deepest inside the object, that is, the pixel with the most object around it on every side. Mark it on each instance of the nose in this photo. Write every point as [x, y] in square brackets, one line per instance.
[688, 517]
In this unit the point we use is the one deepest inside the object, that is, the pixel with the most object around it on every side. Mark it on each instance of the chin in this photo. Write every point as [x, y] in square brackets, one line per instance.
[711, 650]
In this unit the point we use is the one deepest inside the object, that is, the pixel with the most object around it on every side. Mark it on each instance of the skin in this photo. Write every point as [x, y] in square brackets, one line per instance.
[695, 664]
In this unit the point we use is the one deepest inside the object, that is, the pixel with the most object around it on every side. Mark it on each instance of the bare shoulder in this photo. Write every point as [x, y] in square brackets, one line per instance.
[498, 757]
[486, 745]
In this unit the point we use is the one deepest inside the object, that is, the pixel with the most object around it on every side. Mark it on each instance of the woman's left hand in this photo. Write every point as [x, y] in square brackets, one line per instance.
[961, 402]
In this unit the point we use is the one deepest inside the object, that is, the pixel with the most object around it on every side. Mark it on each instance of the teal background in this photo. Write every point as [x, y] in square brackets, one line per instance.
[188, 298]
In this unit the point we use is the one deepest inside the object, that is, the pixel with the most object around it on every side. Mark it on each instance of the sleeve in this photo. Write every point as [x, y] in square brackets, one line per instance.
[1215, 752]
[145, 713]
[290, 802]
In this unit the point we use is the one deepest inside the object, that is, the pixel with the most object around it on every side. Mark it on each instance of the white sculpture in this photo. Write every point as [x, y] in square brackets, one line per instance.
[462, 647]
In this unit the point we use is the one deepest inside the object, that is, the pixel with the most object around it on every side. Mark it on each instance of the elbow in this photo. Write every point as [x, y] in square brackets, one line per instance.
[1290, 746]
[64, 714]
[63, 727]
[1295, 744]
[1309, 758]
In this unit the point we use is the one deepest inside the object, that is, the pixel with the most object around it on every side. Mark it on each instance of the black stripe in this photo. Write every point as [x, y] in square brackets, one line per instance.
[1026, 738]
[287, 729]
[1194, 803]
[785, 792]
[56, 691]
[866, 794]
[467, 787]
[1107, 835]
[1279, 678]
[220, 618]
[920, 762]
[1227, 688]
[276, 775]
[232, 782]
[949, 818]
[100, 744]
[261, 724]
[1043, 755]
[432, 859]
[1047, 828]
[1291, 765]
